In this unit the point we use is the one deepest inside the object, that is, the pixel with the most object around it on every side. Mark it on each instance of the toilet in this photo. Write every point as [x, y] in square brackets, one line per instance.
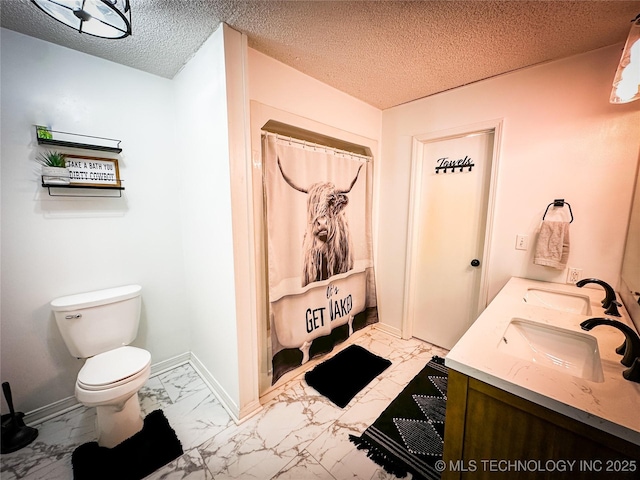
[99, 326]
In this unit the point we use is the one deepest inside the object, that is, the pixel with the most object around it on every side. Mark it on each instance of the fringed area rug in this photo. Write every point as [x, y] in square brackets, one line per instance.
[151, 448]
[341, 377]
[408, 437]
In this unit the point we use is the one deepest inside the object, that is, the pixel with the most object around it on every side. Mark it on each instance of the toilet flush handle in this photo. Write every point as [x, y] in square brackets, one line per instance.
[71, 317]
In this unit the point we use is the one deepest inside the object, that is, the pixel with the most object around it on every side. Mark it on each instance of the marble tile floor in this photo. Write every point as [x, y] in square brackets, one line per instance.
[298, 435]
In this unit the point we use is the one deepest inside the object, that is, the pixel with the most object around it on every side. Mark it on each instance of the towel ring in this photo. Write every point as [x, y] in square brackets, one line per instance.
[559, 202]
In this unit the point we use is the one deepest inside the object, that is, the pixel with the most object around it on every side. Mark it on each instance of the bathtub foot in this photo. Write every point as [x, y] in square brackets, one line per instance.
[350, 325]
[304, 348]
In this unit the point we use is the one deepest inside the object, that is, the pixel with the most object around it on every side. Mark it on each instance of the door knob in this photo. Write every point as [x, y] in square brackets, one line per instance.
[475, 262]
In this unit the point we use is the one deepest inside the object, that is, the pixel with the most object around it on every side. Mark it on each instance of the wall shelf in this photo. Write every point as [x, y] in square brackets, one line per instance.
[55, 138]
[81, 190]
[65, 188]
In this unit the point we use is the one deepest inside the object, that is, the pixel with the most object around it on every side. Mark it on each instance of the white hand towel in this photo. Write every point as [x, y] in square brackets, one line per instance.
[552, 248]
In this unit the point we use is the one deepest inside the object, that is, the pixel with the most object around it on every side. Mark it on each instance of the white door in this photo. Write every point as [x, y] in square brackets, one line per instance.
[450, 199]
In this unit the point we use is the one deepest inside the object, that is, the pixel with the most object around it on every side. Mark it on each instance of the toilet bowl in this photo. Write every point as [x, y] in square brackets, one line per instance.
[98, 327]
[110, 382]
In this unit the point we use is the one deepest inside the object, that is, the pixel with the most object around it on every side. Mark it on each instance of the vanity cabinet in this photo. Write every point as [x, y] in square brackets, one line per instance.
[487, 427]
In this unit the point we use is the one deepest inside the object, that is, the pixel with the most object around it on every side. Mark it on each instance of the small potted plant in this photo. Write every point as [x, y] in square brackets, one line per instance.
[43, 132]
[54, 168]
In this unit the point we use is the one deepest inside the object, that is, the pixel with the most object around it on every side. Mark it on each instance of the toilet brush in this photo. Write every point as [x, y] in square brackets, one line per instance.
[15, 434]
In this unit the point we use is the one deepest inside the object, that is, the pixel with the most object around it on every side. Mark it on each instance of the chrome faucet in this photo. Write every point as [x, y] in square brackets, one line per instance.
[609, 302]
[630, 349]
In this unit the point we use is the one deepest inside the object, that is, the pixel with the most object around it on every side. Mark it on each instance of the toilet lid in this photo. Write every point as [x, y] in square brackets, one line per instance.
[113, 366]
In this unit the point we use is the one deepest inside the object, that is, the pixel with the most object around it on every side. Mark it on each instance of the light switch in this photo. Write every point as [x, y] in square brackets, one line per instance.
[522, 242]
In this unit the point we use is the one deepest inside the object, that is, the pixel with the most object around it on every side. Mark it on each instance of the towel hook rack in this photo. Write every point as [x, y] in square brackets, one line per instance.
[558, 202]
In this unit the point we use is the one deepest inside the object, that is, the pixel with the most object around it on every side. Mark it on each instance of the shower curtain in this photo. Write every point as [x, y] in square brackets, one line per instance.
[319, 250]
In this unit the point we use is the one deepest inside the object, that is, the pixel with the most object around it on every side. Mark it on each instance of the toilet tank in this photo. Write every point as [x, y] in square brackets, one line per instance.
[95, 322]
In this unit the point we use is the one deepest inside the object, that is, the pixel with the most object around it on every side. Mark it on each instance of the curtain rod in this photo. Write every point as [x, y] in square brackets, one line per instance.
[315, 146]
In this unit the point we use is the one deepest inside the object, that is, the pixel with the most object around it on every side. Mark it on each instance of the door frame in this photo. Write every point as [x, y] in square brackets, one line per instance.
[419, 141]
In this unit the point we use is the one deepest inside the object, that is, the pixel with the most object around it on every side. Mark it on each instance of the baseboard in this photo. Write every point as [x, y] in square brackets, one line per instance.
[237, 414]
[170, 364]
[396, 332]
[249, 411]
[50, 411]
[65, 405]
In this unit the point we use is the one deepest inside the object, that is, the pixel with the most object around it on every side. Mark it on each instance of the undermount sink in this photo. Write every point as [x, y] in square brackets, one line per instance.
[562, 301]
[573, 353]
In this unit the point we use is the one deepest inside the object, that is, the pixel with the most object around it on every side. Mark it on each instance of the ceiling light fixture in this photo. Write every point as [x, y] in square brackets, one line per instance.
[100, 18]
[626, 84]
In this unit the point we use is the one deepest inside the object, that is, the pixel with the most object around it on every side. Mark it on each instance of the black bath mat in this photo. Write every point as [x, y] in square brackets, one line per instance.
[408, 437]
[341, 377]
[135, 458]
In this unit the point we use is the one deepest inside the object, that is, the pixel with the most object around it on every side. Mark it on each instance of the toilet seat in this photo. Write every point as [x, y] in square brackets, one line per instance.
[113, 368]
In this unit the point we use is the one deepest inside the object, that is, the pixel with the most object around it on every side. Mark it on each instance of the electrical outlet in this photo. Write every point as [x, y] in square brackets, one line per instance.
[573, 275]
[522, 242]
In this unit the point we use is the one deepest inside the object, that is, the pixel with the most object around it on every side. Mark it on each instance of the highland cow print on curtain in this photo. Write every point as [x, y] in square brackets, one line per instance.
[319, 249]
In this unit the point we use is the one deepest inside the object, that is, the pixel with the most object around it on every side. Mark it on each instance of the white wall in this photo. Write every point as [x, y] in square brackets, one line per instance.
[244, 252]
[561, 139]
[59, 246]
[202, 126]
[280, 86]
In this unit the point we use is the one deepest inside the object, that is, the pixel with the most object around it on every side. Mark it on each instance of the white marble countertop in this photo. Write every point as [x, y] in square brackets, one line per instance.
[611, 405]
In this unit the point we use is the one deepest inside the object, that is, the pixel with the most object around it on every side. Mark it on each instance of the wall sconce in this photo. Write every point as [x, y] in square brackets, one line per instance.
[626, 84]
[100, 18]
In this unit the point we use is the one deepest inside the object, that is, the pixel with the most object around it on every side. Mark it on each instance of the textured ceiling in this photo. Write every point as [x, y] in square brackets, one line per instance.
[384, 53]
